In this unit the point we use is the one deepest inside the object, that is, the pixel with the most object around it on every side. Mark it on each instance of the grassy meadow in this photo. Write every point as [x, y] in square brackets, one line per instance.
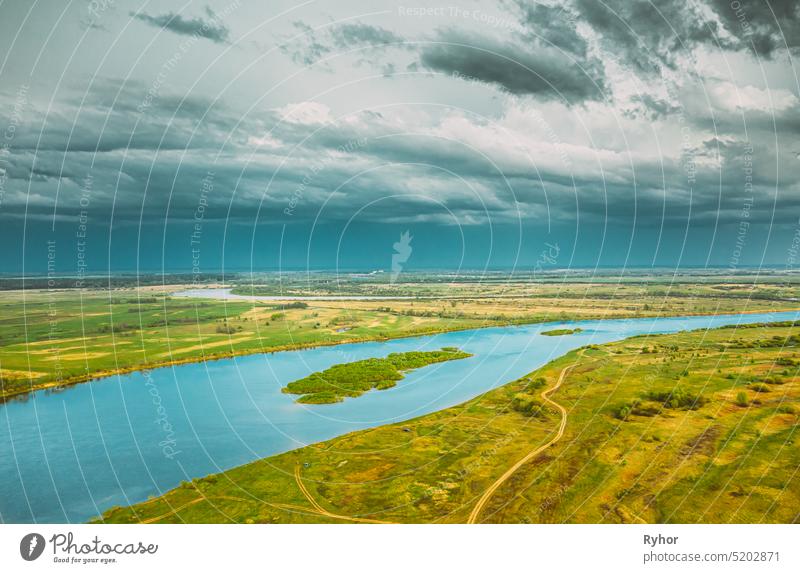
[693, 427]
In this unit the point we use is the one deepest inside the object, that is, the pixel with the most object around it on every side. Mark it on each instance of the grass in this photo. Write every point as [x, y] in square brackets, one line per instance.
[561, 331]
[706, 448]
[352, 379]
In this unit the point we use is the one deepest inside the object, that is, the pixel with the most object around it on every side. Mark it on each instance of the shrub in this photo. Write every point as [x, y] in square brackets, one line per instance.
[622, 412]
[677, 399]
[527, 404]
[290, 305]
[637, 408]
[759, 387]
[741, 399]
[534, 383]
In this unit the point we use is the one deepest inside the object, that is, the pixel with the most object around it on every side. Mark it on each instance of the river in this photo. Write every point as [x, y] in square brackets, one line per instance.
[68, 455]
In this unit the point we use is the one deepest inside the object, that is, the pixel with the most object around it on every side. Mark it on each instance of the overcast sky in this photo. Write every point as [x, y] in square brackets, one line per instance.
[285, 134]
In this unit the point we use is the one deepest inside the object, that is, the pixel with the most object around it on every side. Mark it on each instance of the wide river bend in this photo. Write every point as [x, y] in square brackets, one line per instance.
[66, 456]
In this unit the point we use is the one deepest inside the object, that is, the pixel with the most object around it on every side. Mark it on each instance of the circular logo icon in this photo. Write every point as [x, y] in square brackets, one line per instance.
[31, 546]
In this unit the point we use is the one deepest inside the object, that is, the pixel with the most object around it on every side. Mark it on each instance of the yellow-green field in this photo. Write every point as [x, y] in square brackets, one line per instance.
[689, 427]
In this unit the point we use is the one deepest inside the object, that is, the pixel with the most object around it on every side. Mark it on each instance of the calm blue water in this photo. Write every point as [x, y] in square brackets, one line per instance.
[67, 456]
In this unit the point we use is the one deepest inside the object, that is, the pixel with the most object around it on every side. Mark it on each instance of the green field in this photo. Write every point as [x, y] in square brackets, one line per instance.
[352, 379]
[694, 427]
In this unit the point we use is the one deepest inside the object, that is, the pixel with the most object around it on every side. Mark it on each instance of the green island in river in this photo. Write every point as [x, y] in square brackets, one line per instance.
[561, 331]
[352, 379]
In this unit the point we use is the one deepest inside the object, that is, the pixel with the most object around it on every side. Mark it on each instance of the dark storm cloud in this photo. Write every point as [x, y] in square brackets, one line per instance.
[159, 153]
[157, 172]
[211, 29]
[646, 35]
[651, 189]
[537, 70]
[542, 55]
[762, 26]
[555, 24]
[629, 92]
[543, 52]
[110, 117]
